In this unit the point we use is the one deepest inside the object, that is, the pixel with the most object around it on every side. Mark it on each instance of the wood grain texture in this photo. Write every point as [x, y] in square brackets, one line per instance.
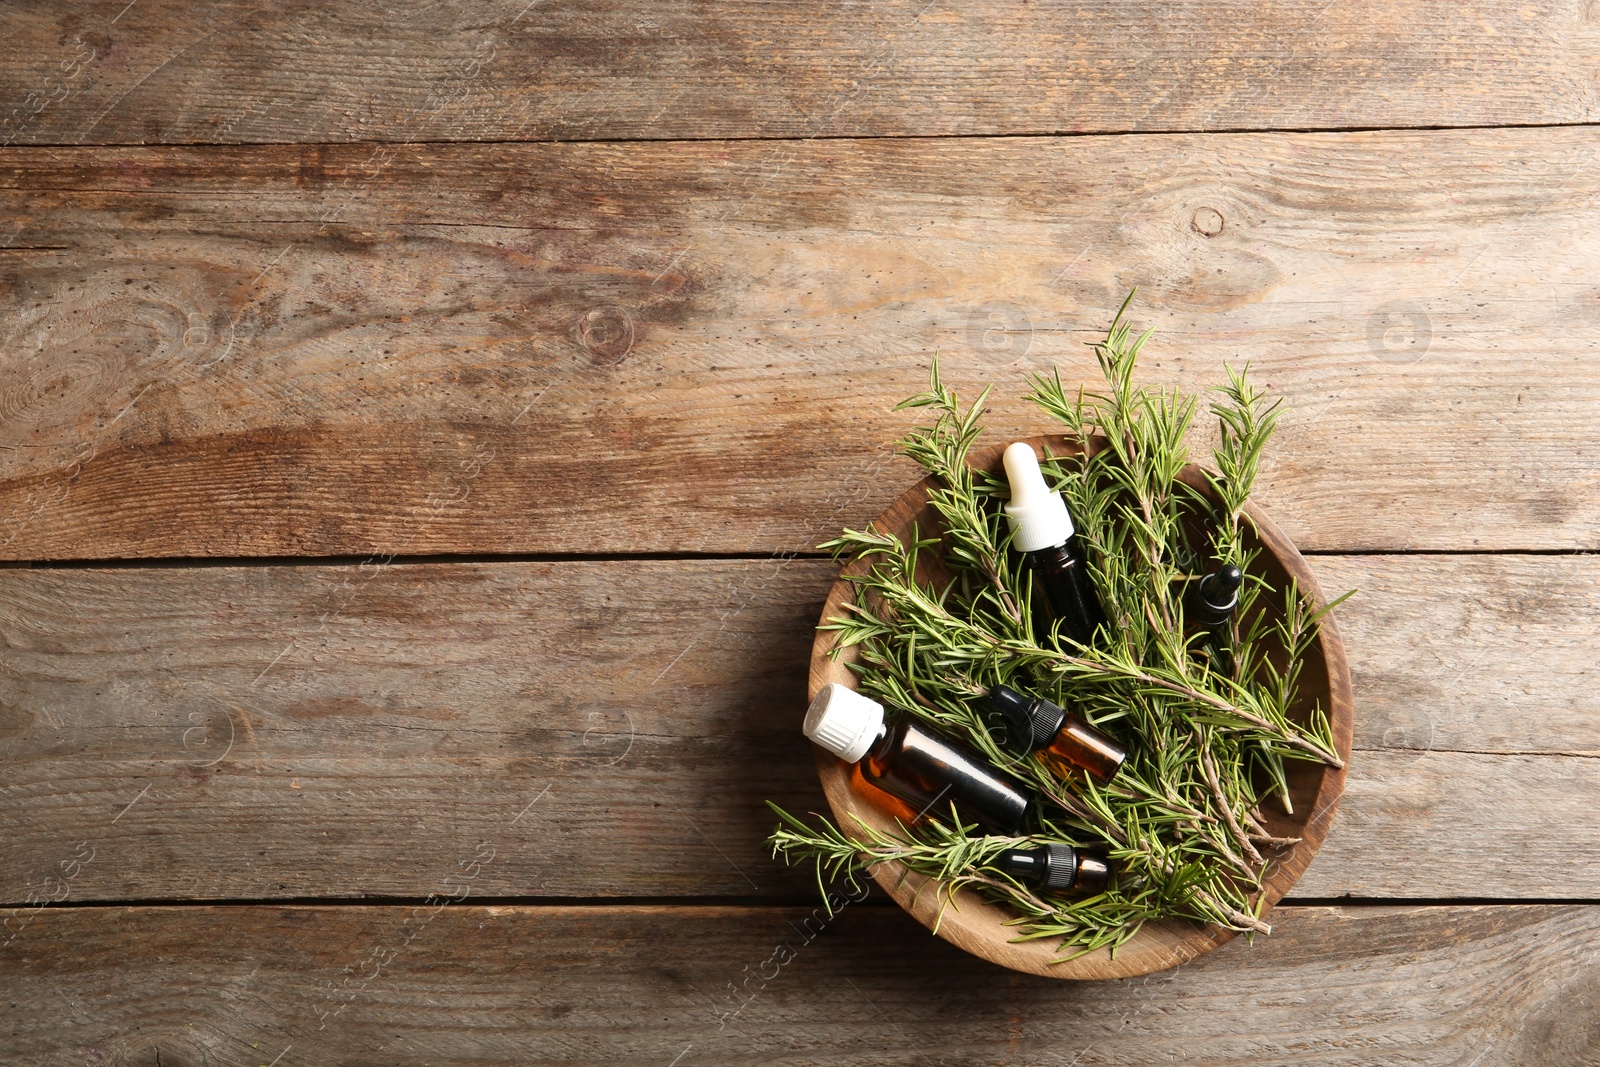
[611, 730]
[724, 985]
[1464, 653]
[695, 347]
[166, 72]
[983, 928]
[280, 731]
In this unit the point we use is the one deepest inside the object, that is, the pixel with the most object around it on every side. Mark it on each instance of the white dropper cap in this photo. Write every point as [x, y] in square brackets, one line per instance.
[1038, 517]
[843, 721]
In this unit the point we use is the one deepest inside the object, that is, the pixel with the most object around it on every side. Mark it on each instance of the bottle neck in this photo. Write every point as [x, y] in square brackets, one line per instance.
[881, 742]
[1054, 558]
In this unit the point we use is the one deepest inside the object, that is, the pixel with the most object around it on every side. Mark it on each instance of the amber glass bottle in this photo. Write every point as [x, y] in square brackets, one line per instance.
[916, 768]
[1061, 740]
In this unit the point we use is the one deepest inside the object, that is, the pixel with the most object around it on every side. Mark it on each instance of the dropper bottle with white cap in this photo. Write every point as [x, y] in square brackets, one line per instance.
[1042, 529]
[912, 765]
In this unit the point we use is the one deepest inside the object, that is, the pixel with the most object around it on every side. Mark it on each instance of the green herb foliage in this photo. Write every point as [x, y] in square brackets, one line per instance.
[1209, 721]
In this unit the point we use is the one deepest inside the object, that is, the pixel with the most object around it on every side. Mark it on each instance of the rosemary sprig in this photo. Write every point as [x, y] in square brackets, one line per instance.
[1208, 735]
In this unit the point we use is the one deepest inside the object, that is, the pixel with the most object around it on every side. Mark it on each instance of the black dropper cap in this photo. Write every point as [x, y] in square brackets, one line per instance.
[1057, 866]
[1215, 596]
[1028, 722]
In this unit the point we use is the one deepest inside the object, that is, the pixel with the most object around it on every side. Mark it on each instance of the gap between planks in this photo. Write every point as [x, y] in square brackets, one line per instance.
[378, 558]
[1196, 131]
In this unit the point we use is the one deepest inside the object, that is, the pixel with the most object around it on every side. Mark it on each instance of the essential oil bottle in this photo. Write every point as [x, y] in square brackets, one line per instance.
[1209, 606]
[1059, 867]
[1061, 740]
[1042, 529]
[910, 764]
[1211, 600]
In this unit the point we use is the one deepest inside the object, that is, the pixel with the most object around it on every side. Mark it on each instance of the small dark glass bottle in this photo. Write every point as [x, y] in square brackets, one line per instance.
[1057, 866]
[1059, 739]
[1042, 529]
[914, 766]
[1209, 606]
[1211, 600]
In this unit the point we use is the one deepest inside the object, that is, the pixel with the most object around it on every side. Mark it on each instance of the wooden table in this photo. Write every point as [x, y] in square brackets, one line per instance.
[416, 420]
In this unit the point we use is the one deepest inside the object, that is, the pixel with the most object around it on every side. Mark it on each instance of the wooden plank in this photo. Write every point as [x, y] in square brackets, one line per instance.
[695, 347]
[694, 985]
[611, 729]
[1462, 653]
[595, 724]
[166, 72]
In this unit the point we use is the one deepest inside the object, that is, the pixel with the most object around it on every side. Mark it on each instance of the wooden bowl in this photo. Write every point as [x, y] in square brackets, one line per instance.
[976, 925]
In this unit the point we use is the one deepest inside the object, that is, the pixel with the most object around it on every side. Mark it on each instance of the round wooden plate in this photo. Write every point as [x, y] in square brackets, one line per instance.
[977, 925]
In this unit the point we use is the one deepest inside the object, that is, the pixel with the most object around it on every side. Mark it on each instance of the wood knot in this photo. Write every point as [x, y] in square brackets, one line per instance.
[1207, 221]
[606, 333]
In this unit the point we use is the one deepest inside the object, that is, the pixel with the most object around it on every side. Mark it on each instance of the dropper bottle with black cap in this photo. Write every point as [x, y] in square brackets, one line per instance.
[1059, 739]
[1210, 604]
[920, 772]
[1059, 867]
[1042, 529]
